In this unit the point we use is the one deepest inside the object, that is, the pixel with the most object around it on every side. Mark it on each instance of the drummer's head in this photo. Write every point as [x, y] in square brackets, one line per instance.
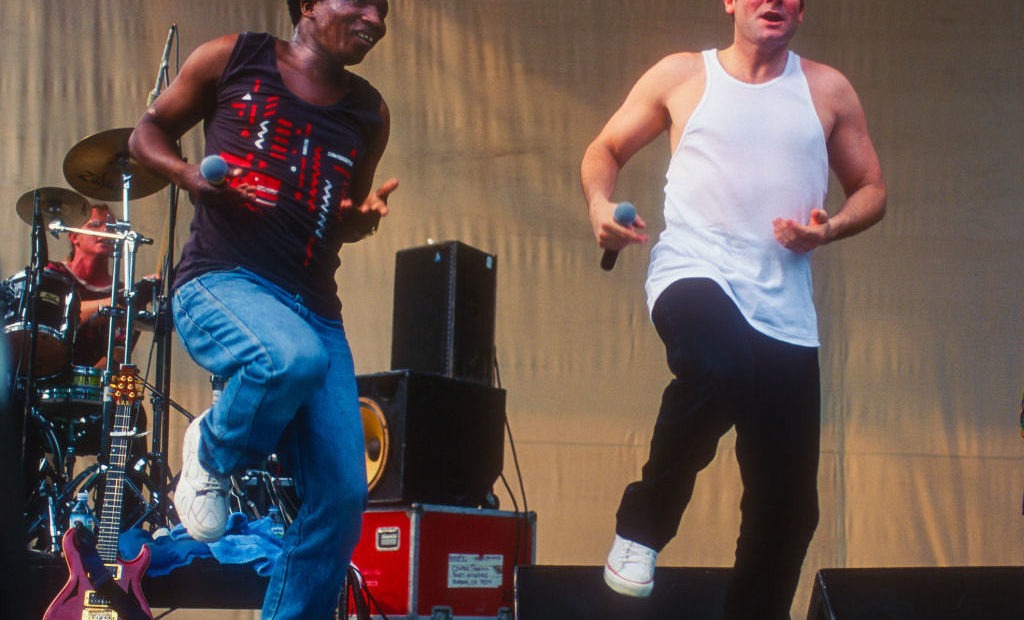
[98, 220]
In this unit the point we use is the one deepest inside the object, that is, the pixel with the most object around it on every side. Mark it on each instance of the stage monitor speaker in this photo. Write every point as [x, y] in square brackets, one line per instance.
[442, 440]
[579, 593]
[927, 593]
[444, 311]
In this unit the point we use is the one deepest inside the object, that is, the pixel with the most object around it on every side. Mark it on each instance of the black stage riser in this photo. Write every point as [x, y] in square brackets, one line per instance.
[925, 593]
[579, 593]
[961, 593]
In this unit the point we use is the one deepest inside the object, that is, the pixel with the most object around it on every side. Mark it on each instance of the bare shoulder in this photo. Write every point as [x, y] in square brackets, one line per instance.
[210, 58]
[669, 77]
[677, 68]
[222, 44]
[833, 95]
[827, 83]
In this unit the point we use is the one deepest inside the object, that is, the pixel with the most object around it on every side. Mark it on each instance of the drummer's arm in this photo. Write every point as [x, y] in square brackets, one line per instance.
[91, 308]
[143, 289]
[186, 101]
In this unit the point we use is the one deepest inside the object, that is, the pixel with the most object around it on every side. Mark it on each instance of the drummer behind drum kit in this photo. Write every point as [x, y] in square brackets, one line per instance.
[65, 411]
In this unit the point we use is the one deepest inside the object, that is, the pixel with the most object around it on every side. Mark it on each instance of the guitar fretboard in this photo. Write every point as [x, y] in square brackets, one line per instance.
[127, 390]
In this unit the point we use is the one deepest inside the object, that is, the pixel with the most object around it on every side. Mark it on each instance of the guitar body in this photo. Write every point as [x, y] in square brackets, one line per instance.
[77, 600]
[94, 563]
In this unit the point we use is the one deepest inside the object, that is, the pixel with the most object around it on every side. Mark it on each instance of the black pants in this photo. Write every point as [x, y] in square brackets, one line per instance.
[727, 374]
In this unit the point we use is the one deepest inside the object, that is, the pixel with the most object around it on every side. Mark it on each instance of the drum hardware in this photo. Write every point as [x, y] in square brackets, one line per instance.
[100, 167]
[28, 349]
[74, 395]
[43, 511]
[123, 236]
[67, 410]
[257, 490]
[56, 205]
[90, 167]
[50, 297]
[48, 505]
[35, 287]
[56, 470]
[40, 321]
[29, 298]
[51, 505]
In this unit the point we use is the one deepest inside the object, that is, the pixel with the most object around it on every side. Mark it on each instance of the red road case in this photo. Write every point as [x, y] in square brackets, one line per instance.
[439, 562]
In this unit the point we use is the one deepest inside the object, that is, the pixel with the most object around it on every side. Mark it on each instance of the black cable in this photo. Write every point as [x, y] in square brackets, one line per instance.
[512, 445]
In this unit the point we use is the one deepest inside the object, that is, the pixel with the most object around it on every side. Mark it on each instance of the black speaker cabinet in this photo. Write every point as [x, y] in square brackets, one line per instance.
[444, 440]
[444, 311]
[928, 593]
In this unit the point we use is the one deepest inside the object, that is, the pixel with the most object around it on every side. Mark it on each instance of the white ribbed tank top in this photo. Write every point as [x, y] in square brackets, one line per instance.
[749, 153]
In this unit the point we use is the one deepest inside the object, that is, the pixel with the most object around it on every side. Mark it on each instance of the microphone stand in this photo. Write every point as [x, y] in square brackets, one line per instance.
[30, 301]
[30, 296]
[161, 73]
[159, 396]
[129, 238]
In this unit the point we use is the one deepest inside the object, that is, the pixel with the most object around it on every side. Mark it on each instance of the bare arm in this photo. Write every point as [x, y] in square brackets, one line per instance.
[660, 100]
[640, 119]
[852, 158]
[186, 101]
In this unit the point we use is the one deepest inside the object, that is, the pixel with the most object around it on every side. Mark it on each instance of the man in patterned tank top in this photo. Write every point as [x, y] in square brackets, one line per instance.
[254, 295]
[753, 130]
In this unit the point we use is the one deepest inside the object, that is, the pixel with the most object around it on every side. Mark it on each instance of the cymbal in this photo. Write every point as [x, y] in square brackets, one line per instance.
[55, 203]
[96, 165]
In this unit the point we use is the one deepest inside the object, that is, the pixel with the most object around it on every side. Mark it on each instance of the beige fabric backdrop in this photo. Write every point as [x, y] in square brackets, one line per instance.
[493, 103]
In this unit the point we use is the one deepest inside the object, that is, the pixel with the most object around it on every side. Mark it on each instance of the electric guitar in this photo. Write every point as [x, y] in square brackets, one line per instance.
[100, 585]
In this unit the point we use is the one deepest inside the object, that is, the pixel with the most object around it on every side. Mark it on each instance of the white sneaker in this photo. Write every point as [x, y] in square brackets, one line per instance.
[200, 498]
[629, 569]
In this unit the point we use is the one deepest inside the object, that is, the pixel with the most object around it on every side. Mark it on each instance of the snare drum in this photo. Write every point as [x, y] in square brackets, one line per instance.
[56, 319]
[76, 395]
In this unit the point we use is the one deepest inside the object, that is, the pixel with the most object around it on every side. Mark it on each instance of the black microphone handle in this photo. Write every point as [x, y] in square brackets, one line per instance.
[608, 259]
[624, 215]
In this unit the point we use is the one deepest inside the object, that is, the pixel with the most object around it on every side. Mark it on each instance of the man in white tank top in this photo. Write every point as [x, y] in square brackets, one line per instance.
[753, 130]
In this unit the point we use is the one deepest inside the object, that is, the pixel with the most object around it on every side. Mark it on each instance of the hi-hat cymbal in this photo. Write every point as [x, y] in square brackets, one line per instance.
[96, 167]
[55, 203]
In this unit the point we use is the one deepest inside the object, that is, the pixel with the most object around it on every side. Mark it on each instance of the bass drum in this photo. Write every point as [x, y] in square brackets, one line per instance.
[56, 319]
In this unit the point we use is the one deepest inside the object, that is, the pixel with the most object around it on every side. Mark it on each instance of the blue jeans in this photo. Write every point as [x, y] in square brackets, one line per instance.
[727, 374]
[290, 389]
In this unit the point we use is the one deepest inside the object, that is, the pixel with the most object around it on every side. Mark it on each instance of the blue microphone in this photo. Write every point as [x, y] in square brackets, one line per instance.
[214, 169]
[624, 215]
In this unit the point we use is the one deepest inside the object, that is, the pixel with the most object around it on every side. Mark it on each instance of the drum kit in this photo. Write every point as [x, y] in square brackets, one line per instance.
[67, 410]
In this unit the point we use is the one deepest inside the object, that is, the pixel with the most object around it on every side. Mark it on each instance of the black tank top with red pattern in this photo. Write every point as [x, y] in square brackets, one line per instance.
[300, 157]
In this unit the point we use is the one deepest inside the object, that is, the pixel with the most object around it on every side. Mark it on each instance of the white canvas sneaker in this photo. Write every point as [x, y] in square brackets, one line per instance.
[629, 569]
[200, 498]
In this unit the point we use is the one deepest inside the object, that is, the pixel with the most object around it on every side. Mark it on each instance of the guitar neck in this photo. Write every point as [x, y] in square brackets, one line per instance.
[127, 395]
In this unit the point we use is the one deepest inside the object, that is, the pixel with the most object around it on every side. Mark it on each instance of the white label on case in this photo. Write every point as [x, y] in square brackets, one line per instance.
[469, 570]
